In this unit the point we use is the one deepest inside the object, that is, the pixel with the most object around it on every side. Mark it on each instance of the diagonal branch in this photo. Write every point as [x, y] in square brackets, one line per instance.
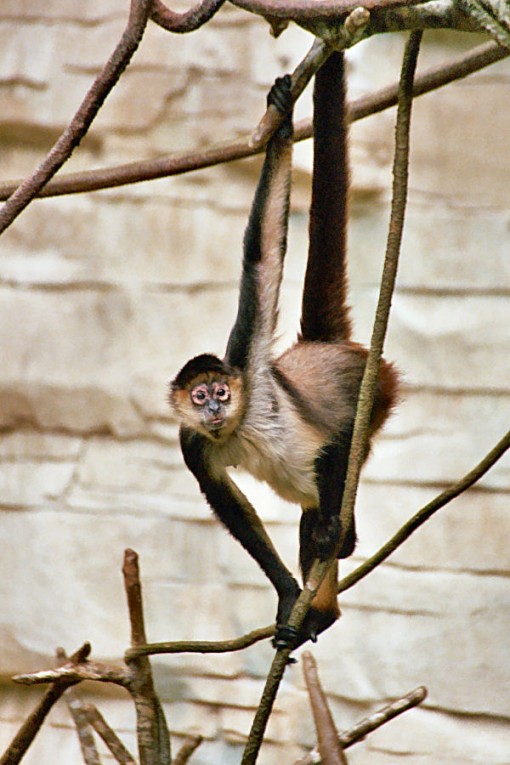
[30, 728]
[361, 729]
[83, 118]
[182, 162]
[425, 513]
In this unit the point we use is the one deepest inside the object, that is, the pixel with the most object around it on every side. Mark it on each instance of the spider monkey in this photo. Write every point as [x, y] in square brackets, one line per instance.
[287, 420]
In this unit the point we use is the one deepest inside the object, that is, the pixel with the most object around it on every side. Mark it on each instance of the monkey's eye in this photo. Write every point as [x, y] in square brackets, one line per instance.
[199, 395]
[222, 392]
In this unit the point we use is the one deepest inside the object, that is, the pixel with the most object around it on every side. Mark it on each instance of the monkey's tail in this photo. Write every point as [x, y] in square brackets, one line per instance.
[325, 313]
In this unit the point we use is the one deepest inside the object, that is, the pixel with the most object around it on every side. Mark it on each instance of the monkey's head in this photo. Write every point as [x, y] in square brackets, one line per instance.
[207, 396]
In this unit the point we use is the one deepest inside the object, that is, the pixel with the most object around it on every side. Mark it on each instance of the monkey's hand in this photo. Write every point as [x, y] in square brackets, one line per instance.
[280, 97]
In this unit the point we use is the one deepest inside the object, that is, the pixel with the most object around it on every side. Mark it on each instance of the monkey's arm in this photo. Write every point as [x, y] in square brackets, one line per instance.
[236, 513]
[265, 242]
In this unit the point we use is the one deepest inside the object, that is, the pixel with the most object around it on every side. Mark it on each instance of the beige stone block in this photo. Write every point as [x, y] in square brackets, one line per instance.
[441, 251]
[403, 628]
[56, 10]
[437, 438]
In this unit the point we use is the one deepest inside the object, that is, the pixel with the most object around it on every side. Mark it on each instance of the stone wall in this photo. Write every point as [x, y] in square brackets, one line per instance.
[104, 295]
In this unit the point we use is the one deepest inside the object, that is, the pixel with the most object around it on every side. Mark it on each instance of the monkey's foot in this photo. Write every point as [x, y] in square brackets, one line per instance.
[316, 621]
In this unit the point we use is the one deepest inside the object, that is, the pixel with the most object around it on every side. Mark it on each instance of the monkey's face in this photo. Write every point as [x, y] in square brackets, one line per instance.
[211, 404]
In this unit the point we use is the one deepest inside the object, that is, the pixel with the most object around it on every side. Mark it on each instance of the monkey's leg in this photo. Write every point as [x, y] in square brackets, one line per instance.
[331, 470]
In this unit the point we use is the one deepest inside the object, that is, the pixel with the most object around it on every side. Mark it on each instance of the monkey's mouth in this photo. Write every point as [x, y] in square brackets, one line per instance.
[215, 423]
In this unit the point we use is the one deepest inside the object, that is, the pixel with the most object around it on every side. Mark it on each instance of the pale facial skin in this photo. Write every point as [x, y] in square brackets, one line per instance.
[211, 399]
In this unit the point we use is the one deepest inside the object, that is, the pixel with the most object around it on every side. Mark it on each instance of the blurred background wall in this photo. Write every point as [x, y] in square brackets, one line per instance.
[104, 295]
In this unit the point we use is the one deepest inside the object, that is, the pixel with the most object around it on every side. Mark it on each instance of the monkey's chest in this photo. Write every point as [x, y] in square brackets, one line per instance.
[284, 458]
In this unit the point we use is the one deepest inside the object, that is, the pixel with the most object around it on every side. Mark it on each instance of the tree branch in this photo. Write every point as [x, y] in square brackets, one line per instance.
[108, 735]
[425, 513]
[328, 743]
[30, 728]
[361, 730]
[184, 22]
[152, 730]
[83, 118]
[183, 162]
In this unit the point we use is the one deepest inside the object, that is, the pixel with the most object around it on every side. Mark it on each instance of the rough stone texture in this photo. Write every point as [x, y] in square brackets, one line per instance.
[103, 296]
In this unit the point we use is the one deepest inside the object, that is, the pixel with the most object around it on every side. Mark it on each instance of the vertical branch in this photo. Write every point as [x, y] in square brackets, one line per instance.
[152, 731]
[83, 118]
[398, 207]
[328, 743]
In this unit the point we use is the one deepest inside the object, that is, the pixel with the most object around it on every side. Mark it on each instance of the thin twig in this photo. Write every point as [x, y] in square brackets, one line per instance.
[361, 730]
[201, 646]
[83, 118]
[75, 673]
[398, 206]
[425, 513]
[152, 730]
[187, 749]
[187, 21]
[108, 735]
[328, 744]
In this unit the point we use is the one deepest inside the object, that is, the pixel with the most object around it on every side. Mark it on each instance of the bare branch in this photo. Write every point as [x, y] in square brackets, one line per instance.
[398, 205]
[28, 731]
[491, 16]
[425, 513]
[75, 673]
[83, 728]
[152, 731]
[108, 735]
[306, 10]
[361, 730]
[187, 749]
[184, 22]
[183, 162]
[202, 646]
[328, 744]
[83, 118]
[354, 25]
